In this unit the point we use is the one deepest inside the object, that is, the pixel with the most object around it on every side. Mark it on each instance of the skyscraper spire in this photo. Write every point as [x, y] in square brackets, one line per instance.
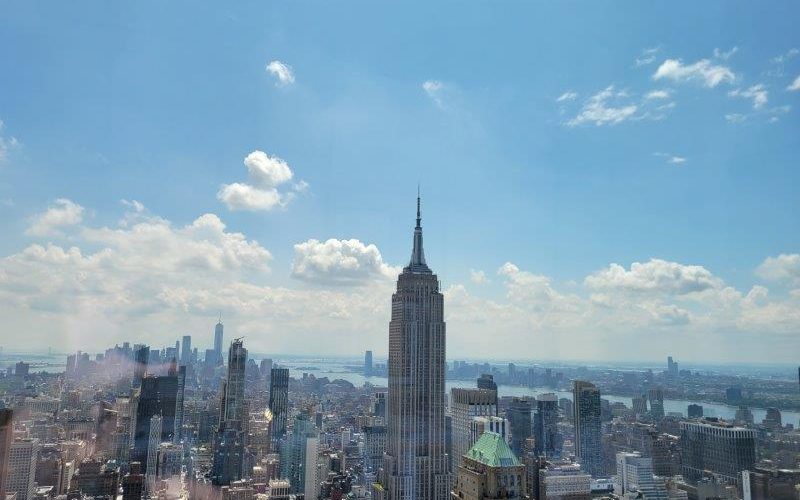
[417, 263]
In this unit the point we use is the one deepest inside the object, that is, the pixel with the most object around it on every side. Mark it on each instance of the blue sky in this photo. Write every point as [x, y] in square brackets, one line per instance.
[558, 137]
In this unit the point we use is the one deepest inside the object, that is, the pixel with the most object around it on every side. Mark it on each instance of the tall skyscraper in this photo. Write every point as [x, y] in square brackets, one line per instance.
[229, 438]
[586, 408]
[141, 358]
[519, 418]
[158, 396]
[545, 426]
[218, 341]
[178, 433]
[368, 363]
[6, 437]
[416, 465]
[299, 457]
[279, 400]
[153, 442]
[464, 405]
[186, 350]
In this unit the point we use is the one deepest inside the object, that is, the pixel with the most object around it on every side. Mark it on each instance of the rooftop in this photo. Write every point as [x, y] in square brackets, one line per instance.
[492, 450]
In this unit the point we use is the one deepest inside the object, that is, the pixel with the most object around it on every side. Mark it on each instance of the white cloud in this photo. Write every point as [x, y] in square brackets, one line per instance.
[567, 96]
[725, 55]
[267, 171]
[648, 56]
[6, 143]
[671, 159]
[657, 94]
[63, 213]
[705, 71]
[654, 276]
[434, 89]
[340, 262]
[267, 174]
[282, 72]
[758, 93]
[735, 118]
[783, 268]
[599, 110]
[795, 85]
[478, 277]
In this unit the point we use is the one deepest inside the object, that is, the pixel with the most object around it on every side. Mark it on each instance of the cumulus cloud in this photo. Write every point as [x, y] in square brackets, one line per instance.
[757, 93]
[266, 174]
[704, 71]
[478, 277]
[340, 262]
[63, 213]
[735, 118]
[795, 85]
[783, 268]
[600, 110]
[282, 72]
[654, 276]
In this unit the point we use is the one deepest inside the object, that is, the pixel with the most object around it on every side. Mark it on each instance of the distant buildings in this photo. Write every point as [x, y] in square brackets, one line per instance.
[186, 350]
[694, 411]
[218, 334]
[368, 364]
[587, 421]
[489, 470]
[656, 398]
[717, 447]
[486, 381]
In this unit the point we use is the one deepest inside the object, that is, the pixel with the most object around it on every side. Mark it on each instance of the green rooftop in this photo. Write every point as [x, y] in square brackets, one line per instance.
[492, 450]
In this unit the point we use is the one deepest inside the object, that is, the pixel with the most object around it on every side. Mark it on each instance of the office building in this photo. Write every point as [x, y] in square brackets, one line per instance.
[158, 397]
[563, 480]
[545, 426]
[635, 476]
[374, 447]
[490, 470]
[21, 468]
[717, 447]
[186, 350]
[586, 416]
[486, 381]
[279, 400]
[133, 483]
[464, 405]
[218, 333]
[230, 436]
[416, 463]
[368, 364]
[694, 411]
[153, 443]
[519, 418]
[299, 457]
[6, 438]
[656, 398]
[479, 425]
[140, 361]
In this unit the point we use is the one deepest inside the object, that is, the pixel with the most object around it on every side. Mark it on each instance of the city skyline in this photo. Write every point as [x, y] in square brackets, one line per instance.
[615, 201]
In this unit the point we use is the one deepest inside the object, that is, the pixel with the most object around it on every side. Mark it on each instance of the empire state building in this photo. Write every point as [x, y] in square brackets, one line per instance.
[415, 464]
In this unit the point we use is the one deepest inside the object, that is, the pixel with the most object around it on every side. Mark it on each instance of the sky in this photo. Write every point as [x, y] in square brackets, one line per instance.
[597, 183]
